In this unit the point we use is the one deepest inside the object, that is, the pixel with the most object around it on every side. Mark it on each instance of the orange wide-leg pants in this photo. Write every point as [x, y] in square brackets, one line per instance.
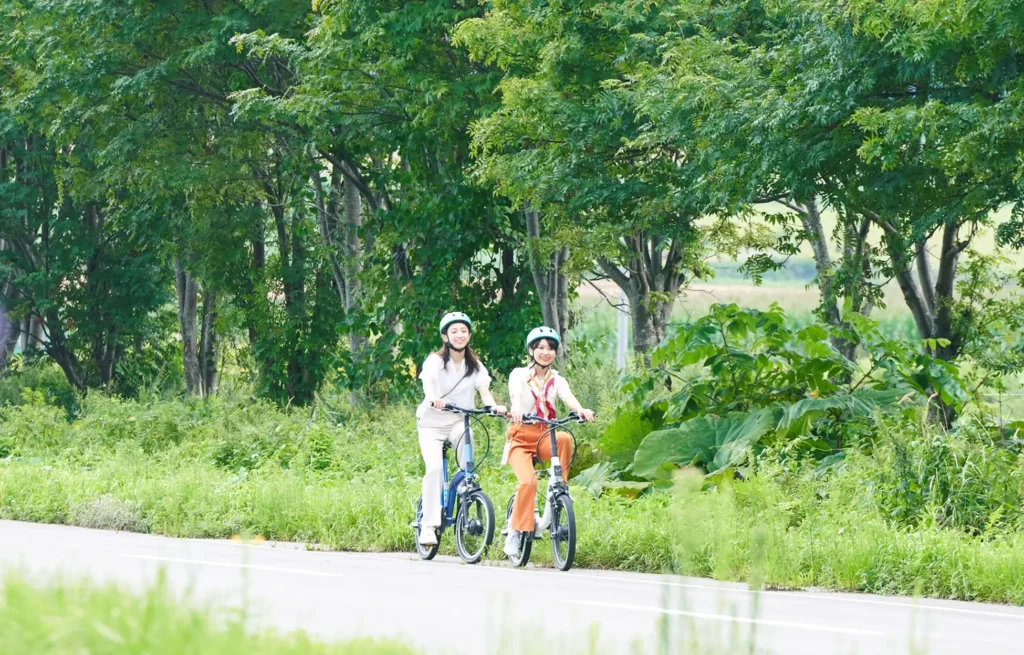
[528, 440]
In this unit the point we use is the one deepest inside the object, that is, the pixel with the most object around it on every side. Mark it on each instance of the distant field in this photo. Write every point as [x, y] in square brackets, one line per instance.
[984, 241]
[793, 287]
[795, 295]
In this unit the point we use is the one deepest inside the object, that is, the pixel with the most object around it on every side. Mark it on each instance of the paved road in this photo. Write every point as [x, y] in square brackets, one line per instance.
[447, 607]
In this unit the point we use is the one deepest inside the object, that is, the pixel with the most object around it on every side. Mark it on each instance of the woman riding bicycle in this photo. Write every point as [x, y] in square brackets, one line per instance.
[533, 390]
[453, 374]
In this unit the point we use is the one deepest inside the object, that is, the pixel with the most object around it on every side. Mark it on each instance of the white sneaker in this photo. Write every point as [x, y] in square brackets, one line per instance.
[512, 543]
[428, 537]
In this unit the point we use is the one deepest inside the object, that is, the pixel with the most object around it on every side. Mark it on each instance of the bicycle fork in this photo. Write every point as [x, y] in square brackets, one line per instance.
[543, 522]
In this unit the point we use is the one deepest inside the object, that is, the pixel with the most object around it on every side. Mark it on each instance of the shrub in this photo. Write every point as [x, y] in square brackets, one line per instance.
[108, 513]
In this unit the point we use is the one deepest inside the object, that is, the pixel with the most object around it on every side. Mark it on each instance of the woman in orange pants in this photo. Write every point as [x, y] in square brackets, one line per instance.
[533, 390]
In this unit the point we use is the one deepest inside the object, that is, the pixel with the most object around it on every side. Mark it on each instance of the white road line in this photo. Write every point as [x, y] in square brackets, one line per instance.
[734, 619]
[911, 605]
[809, 595]
[239, 565]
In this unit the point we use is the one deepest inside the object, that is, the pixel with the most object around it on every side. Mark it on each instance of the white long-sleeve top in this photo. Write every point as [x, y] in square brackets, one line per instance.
[521, 397]
[451, 384]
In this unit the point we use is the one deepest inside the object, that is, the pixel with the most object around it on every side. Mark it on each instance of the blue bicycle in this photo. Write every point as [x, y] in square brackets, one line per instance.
[464, 504]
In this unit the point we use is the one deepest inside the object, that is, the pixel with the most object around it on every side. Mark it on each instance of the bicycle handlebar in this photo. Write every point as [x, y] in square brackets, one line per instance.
[557, 422]
[455, 409]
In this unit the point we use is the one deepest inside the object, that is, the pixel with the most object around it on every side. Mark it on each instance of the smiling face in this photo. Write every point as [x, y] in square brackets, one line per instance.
[544, 352]
[457, 335]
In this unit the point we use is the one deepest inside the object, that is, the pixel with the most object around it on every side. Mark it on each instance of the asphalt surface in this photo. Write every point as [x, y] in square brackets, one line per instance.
[445, 606]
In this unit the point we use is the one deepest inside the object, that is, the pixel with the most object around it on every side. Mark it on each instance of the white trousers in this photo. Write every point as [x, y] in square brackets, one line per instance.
[432, 440]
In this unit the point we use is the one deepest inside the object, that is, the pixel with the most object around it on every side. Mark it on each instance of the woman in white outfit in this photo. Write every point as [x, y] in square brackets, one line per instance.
[453, 374]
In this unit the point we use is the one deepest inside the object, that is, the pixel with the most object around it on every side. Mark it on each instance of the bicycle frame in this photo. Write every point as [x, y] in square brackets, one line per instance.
[556, 484]
[465, 479]
[450, 489]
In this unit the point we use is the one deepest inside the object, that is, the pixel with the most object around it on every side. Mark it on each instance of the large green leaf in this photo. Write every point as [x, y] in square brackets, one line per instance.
[711, 441]
[801, 412]
[595, 477]
[867, 401]
[622, 437]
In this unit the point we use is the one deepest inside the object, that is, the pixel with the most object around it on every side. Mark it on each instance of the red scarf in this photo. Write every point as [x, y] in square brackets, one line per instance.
[547, 410]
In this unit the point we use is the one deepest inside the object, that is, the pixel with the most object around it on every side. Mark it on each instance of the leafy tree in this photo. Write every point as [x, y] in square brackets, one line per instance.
[569, 142]
[744, 381]
[386, 118]
[790, 102]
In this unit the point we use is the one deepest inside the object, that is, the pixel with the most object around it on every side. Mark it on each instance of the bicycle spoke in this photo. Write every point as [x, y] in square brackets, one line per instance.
[474, 526]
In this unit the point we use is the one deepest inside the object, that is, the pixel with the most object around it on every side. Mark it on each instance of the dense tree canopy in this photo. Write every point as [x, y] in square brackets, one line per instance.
[313, 185]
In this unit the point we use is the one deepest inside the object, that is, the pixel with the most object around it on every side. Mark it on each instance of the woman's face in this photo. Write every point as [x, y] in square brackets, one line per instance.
[458, 335]
[543, 353]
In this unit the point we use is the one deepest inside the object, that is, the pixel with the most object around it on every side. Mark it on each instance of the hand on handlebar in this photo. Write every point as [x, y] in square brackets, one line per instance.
[438, 403]
[499, 410]
[587, 415]
[515, 417]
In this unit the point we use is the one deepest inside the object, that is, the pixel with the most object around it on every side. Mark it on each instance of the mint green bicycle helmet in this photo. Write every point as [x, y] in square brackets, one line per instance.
[455, 317]
[542, 332]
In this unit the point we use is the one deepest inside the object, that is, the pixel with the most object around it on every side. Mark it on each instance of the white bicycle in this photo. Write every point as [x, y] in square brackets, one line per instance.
[557, 516]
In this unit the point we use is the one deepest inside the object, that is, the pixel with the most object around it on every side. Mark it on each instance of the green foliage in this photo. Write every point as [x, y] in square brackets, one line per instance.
[736, 381]
[45, 379]
[925, 512]
[969, 480]
[87, 618]
[709, 441]
[790, 528]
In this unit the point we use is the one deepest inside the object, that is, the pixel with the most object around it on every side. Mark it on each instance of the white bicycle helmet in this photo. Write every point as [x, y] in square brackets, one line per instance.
[542, 332]
[455, 317]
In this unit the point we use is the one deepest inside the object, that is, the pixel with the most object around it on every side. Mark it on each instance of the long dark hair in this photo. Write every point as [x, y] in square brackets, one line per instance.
[472, 362]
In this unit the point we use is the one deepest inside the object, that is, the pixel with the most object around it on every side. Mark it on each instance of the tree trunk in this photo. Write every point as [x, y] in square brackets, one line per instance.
[259, 263]
[930, 301]
[327, 222]
[810, 217]
[208, 343]
[9, 330]
[34, 331]
[943, 294]
[105, 355]
[651, 276]
[549, 278]
[188, 295]
[854, 241]
[25, 334]
[8, 339]
[56, 347]
[353, 259]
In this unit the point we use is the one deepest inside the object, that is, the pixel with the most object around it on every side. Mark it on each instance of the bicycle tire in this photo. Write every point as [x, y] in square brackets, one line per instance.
[471, 555]
[525, 542]
[563, 531]
[425, 552]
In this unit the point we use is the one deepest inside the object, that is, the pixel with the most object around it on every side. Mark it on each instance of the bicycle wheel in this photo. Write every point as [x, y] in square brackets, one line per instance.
[525, 539]
[425, 552]
[563, 531]
[474, 526]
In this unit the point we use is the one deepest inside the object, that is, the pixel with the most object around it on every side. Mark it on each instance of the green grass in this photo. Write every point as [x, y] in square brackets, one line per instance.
[924, 513]
[786, 536]
[84, 618]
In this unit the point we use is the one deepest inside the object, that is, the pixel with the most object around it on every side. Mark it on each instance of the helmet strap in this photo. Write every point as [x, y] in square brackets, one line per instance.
[538, 365]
